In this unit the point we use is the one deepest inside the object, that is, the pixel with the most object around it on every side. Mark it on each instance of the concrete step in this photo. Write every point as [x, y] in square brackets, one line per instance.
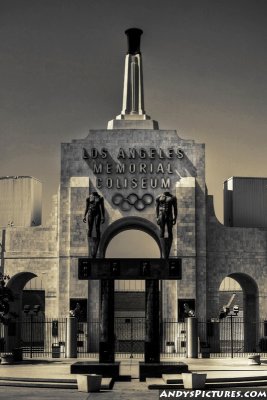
[39, 384]
[237, 383]
[177, 378]
[159, 383]
[106, 384]
[59, 380]
[172, 378]
[237, 379]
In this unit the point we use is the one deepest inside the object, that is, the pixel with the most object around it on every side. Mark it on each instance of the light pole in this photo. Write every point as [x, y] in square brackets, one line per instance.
[233, 312]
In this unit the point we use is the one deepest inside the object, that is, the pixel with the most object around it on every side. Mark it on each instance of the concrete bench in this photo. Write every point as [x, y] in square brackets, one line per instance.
[89, 382]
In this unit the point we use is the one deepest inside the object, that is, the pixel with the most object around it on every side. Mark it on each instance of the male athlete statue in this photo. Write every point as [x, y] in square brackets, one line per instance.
[166, 213]
[96, 213]
[96, 216]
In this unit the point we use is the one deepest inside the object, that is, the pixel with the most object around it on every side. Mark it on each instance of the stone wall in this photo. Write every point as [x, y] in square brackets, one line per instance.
[238, 251]
[187, 182]
[34, 250]
[209, 250]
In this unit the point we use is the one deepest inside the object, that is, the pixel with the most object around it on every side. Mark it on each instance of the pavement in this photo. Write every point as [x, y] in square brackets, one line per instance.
[60, 369]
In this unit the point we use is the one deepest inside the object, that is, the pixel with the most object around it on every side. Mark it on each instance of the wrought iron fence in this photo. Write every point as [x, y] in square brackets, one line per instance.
[232, 337]
[173, 338]
[43, 337]
[36, 336]
[130, 338]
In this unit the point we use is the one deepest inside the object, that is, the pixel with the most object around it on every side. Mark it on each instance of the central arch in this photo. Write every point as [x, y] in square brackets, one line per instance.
[128, 223]
[129, 310]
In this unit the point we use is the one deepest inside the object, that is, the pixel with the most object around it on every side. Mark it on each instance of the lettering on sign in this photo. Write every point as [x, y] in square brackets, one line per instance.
[133, 168]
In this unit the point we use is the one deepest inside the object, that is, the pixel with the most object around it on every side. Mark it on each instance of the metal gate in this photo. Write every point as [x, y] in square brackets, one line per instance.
[36, 336]
[129, 335]
[42, 337]
[232, 337]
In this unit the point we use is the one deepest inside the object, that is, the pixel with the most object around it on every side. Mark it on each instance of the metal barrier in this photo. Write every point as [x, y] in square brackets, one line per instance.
[130, 338]
[44, 337]
[231, 337]
[35, 335]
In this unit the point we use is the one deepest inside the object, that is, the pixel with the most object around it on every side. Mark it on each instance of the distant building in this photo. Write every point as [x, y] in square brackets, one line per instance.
[245, 201]
[20, 201]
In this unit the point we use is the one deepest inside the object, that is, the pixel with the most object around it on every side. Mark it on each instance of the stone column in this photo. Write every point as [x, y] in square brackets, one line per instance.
[192, 337]
[93, 315]
[250, 322]
[107, 338]
[152, 338]
[71, 342]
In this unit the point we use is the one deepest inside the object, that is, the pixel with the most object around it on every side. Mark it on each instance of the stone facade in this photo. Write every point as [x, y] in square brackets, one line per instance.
[187, 181]
[35, 250]
[209, 250]
[240, 253]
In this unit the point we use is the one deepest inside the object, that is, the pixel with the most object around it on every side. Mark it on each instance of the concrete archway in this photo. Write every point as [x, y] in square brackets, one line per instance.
[118, 226]
[132, 243]
[137, 225]
[19, 280]
[250, 309]
[128, 223]
[16, 285]
[250, 295]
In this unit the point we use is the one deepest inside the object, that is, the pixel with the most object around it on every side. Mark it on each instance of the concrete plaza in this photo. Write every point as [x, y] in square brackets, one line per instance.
[51, 369]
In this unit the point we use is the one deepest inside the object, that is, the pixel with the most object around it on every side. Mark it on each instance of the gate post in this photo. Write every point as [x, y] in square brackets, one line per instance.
[107, 338]
[71, 341]
[152, 342]
[192, 337]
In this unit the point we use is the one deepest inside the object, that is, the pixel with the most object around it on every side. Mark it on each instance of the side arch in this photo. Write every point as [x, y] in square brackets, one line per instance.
[250, 309]
[16, 284]
[19, 280]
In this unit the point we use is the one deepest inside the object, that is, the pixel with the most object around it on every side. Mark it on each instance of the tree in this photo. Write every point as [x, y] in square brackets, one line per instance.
[6, 296]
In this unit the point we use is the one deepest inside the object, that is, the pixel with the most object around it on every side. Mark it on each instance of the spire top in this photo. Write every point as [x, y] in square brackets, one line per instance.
[133, 115]
[134, 39]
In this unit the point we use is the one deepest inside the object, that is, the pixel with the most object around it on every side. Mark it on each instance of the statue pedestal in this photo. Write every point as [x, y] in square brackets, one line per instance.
[93, 244]
[166, 245]
[155, 370]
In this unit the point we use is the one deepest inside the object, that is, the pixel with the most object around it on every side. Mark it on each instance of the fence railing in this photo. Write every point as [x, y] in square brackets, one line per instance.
[44, 337]
[232, 336]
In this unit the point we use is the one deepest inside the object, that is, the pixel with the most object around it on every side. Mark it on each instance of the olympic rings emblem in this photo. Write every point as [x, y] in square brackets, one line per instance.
[132, 200]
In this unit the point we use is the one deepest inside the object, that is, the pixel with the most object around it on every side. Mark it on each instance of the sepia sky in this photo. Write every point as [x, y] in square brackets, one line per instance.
[205, 74]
